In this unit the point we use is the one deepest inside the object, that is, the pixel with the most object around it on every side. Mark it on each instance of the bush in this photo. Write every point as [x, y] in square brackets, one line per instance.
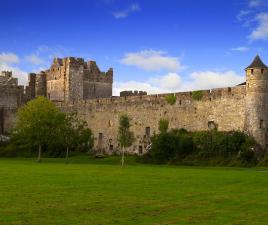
[171, 99]
[197, 95]
[168, 146]
[163, 125]
[202, 148]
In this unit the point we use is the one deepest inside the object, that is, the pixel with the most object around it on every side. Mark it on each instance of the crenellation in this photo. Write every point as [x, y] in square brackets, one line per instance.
[79, 86]
[132, 93]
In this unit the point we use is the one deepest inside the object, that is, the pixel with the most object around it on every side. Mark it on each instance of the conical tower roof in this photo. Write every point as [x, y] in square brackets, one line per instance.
[257, 63]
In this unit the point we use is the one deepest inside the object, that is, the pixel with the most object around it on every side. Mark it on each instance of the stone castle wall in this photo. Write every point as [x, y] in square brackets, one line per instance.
[72, 78]
[79, 86]
[11, 98]
[224, 108]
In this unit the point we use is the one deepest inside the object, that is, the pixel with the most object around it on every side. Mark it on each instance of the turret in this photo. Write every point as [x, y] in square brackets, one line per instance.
[41, 84]
[32, 85]
[256, 119]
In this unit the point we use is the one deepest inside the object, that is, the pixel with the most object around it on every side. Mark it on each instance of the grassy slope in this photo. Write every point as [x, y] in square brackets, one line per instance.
[101, 192]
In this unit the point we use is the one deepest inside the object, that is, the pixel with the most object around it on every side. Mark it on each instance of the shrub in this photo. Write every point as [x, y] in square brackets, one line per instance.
[163, 125]
[202, 148]
[168, 146]
[197, 95]
[171, 99]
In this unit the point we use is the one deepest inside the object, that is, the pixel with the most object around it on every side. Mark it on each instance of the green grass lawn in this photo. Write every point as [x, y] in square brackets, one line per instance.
[89, 192]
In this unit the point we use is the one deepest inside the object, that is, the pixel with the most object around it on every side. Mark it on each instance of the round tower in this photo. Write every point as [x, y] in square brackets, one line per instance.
[256, 120]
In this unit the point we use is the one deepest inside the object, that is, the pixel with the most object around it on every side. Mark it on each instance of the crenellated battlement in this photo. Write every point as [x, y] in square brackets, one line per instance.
[70, 79]
[79, 86]
[224, 107]
[181, 98]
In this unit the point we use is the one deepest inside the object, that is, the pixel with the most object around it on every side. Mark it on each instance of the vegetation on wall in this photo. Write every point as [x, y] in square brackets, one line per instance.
[197, 95]
[171, 99]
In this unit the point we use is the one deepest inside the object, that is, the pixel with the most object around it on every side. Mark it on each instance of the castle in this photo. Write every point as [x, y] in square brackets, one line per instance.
[78, 86]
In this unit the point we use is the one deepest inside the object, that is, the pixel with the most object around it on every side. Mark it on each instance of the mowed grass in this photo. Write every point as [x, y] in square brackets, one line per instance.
[90, 192]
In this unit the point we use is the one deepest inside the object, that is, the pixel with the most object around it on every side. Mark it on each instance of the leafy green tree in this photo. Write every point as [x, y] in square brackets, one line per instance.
[74, 133]
[68, 133]
[86, 140]
[163, 125]
[38, 123]
[125, 136]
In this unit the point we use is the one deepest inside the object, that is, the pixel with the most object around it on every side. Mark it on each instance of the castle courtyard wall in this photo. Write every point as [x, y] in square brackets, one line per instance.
[224, 108]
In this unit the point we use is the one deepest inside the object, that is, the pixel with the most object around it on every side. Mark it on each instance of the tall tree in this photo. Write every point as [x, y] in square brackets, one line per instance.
[37, 123]
[125, 136]
[68, 133]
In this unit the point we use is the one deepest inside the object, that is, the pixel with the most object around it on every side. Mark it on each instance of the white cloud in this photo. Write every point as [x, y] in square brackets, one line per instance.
[242, 14]
[170, 82]
[7, 61]
[134, 85]
[212, 79]
[173, 82]
[152, 60]
[254, 3]
[261, 31]
[17, 72]
[34, 59]
[9, 58]
[120, 14]
[241, 49]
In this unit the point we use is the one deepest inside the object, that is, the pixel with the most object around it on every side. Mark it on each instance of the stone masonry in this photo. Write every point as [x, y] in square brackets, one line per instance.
[11, 98]
[72, 79]
[78, 86]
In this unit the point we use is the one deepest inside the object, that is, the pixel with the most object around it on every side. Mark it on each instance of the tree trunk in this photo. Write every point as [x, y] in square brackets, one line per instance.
[39, 153]
[123, 156]
[67, 154]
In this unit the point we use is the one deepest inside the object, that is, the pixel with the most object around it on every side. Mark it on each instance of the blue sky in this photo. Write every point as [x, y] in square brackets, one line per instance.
[157, 46]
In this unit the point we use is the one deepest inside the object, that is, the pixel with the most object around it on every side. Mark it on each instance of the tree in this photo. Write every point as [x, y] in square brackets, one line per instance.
[86, 140]
[38, 123]
[68, 133]
[125, 136]
[74, 133]
[163, 125]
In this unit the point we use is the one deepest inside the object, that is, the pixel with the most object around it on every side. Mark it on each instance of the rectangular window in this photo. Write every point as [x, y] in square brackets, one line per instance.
[111, 148]
[262, 125]
[100, 136]
[140, 149]
[147, 131]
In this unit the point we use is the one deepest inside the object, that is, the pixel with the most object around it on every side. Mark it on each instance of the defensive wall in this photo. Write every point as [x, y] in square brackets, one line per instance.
[223, 108]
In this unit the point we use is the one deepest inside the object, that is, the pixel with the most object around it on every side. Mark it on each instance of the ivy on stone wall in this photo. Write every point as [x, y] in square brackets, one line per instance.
[171, 99]
[197, 95]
